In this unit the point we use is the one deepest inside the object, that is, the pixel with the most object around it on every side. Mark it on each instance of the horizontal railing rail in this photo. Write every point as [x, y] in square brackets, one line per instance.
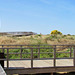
[41, 45]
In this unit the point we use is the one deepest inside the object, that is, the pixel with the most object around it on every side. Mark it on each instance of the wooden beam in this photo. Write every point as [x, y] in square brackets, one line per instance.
[7, 58]
[39, 53]
[31, 58]
[55, 56]
[52, 73]
[2, 49]
[39, 70]
[21, 52]
[74, 56]
[71, 52]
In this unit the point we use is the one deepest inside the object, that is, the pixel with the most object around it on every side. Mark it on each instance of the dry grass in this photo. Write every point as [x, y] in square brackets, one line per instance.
[35, 39]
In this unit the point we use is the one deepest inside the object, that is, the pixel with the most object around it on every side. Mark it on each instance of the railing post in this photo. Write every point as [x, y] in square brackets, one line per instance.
[70, 52]
[74, 56]
[2, 61]
[2, 49]
[38, 51]
[31, 57]
[7, 58]
[21, 53]
[55, 56]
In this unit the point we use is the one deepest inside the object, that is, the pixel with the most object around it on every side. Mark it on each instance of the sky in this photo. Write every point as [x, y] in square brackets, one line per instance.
[39, 16]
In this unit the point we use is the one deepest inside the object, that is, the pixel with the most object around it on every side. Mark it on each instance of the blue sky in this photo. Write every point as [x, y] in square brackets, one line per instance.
[40, 16]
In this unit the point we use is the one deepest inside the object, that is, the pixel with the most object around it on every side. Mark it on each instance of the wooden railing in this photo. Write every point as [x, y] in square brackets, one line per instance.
[56, 49]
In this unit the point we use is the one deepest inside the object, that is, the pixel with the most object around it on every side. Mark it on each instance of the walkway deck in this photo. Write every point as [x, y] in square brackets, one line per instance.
[39, 66]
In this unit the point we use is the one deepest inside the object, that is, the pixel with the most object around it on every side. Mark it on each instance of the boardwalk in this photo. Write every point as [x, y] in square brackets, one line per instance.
[36, 62]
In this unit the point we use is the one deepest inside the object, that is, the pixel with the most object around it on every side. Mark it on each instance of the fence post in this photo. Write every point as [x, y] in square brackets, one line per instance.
[74, 56]
[2, 49]
[21, 53]
[55, 56]
[31, 57]
[39, 51]
[2, 61]
[7, 58]
[70, 52]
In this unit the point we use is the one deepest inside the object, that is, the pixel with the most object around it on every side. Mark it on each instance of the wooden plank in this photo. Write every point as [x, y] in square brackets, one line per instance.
[39, 70]
[49, 62]
[64, 62]
[40, 45]
[26, 63]
[40, 63]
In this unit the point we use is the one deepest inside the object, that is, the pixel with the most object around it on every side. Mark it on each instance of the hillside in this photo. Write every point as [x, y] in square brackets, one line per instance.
[38, 39]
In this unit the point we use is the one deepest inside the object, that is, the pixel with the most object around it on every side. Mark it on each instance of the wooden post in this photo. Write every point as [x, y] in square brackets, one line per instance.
[71, 52]
[2, 61]
[55, 56]
[31, 58]
[7, 58]
[38, 52]
[21, 53]
[21, 74]
[2, 49]
[74, 56]
[51, 73]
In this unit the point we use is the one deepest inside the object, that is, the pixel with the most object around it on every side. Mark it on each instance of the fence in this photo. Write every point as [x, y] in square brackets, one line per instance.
[37, 49]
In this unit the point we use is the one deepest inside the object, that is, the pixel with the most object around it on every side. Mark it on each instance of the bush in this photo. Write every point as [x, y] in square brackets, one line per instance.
[52, 37]
[55, 32]
[69, 34]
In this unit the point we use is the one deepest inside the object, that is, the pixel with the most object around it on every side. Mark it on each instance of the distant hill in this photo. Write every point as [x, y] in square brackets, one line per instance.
[17, 33]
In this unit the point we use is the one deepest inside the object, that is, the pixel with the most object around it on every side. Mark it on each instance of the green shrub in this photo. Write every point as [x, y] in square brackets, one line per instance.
[52, 37]
[69, 34]
[39, 35]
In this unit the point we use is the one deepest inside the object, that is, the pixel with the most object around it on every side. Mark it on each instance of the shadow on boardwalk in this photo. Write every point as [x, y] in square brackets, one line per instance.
[71, 73]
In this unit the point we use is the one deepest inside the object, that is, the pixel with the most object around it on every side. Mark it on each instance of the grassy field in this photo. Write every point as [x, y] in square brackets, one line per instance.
[39, 39]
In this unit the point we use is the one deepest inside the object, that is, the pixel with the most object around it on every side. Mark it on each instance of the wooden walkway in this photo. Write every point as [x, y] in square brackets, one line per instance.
[39, 66]
[34, 65]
